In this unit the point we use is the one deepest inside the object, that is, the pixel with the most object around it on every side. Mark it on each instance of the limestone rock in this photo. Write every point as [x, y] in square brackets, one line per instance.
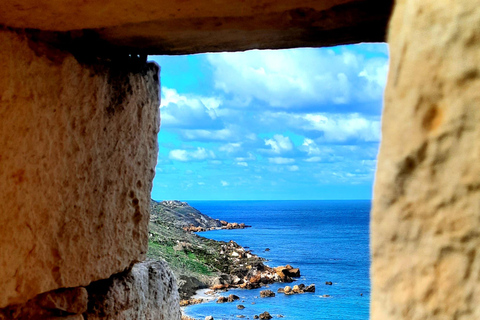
[232, 298]
[157, 27]
[69, 303]
[147, 291]
[222, 300]
[265, 315]
[310, 288]
[426, 209]
[78, 152]
[267, 293]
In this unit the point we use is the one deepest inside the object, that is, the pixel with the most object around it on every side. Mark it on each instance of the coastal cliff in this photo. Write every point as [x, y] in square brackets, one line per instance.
[198, 262]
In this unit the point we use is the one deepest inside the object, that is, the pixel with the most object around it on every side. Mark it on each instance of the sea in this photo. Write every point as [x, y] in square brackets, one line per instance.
[326, 240]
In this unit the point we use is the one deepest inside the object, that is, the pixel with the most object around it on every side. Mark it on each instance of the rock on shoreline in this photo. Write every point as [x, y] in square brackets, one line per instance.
[198, 262]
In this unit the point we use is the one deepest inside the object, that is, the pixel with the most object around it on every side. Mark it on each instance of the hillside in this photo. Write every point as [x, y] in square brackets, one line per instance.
[196, 261]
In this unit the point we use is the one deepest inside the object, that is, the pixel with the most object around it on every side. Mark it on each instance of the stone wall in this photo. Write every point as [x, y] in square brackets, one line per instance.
[78, 142]
[425, 228]
[78, 152]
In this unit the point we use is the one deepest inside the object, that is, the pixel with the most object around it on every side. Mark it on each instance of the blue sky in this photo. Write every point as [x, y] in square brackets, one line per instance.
[273, 124]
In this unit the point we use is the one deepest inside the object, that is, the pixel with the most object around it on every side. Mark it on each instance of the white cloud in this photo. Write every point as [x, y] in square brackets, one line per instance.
[313, 159]
[279, 144]
[344, 127]
[226, 134]
[242, 164]
[249, 157]
[231, 147]
[188, 110]
[334, 127]
[310, 147]
[300, 77]
[280, 160]
[224, 183]
[293, 168]
[191, 155]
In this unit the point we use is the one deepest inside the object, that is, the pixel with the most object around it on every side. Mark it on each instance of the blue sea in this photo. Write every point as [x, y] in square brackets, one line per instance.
[327, 240]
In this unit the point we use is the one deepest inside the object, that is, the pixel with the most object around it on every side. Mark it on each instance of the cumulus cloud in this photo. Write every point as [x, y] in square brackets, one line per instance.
[224, 183]
[280, 160]
[231, 147]
[279, 144]
[242, 164]
[301, 78]
[249, 157]
[225, 134]
[191, 155]
[188, 110]
[333, 128]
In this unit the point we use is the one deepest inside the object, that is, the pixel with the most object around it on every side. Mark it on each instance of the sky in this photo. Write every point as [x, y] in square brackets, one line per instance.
[297, 124]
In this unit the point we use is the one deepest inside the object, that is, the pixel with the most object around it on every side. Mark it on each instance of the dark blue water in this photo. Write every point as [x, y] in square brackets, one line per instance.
[327, 240]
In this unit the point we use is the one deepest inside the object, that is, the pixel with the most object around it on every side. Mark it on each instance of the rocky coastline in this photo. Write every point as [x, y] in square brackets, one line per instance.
[201, 263]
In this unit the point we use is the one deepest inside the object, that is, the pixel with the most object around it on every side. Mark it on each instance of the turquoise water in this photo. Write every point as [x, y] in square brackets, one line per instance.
[327, 240]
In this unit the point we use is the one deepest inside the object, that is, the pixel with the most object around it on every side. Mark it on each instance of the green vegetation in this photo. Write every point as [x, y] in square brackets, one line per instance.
[187, 261]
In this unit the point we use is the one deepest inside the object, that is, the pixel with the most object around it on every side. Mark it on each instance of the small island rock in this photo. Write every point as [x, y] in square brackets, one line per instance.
[310, 288]
[267, 293]
[232, 298]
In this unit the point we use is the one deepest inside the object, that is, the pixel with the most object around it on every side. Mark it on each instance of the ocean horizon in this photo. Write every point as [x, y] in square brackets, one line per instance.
[328, 240]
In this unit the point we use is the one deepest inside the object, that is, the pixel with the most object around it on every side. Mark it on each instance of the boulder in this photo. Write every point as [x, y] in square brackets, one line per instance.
[287, 290]
[296, 289]
[232, 298]
[293, 272]
[267, 293]
[240, 307]
[265, 315]
[310, 288]
[328, 283]
[147, 291]
[222, 300]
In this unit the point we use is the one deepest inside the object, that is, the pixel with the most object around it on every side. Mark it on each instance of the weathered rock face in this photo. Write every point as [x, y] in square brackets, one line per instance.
[180, 27]
[148, 291]
[426, 215]
[78, 151]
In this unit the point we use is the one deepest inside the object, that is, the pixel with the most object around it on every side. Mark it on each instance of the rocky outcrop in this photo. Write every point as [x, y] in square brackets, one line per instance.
[78, 152]
[197, 26]
[146, 291]
[267, 294]
[300, 288]
[68, 303]
[181, 215]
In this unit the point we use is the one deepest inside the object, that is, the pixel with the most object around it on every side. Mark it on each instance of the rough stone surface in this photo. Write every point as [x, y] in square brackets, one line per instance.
[78, 151]
[179, 27]
[425, 231]
[68, 304]
[147, 292]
